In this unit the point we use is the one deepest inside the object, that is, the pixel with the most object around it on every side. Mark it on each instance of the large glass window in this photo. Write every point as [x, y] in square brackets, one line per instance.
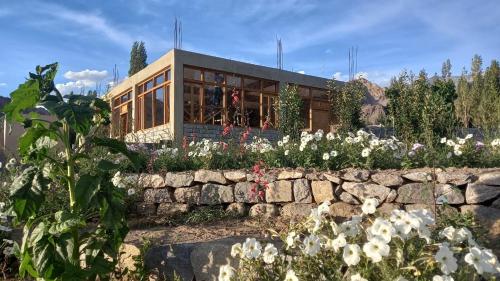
[122, 114]
[192, 74]
[153, 101]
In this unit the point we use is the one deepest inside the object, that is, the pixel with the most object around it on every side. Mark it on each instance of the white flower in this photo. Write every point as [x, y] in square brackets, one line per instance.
[291, 238]
[290, 276]
[130, 191]
[351, 254]
[326, 156]
[236, 250]
[357, 139]
[251, 248]
[445, 257]
[457, 152]
[400, 278]
[468, 136]
[450, 143]
[350, 228]
[442, 278]
[357, 277]
[369, 206]
[324, 208]
[376, 248]
[334, 153]
[314, 146]
[226, 272]
[318, 135]
[366, 152]
[336, 243]
[443, 140]
[382, 229]
[479, 260]
[286, 139]
[117, 180]
[330, 136]
[270, 252]
[311, 245]
[287, 152]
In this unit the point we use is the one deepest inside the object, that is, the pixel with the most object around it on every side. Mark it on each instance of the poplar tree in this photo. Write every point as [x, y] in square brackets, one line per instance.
[138, 58]
[488, 113]
[464, 101]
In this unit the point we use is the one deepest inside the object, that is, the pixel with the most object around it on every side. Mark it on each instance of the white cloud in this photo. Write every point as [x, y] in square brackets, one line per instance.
[301, 72]
[82, 81]
[87, 74]
[361, 74]
[3, 84]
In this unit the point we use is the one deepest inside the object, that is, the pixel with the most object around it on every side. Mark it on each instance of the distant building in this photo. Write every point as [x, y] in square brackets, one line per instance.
[190, 94]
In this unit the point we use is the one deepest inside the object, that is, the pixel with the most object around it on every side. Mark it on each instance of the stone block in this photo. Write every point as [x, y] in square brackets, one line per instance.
[387, 179]
[264, 210]
[190, 195]
[213, 194]
[151, 181]
[290, 174]
[478, 193]
[236, 176]
[206, 176]
[279, 191]
[366, 190]
[179, 179]
[171, 209]
[302, 191]
[415, 193]
[296, 210]
[322, 191]
[246, 192]
[163, 195]
[418, 176]
[356, 175]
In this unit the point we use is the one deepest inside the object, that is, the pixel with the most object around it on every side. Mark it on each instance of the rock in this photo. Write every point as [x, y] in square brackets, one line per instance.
[213, 194]
[179, 179]
[491, 178]
[418, 176]
[391, 196]
[314, 176]
[419, 193]
[332, 178]
[146, 209]
[163, 195]
[206, 176]
[268, 177]
[490, 220]
[170, 209]
[386, 208]
[237, 208]
[189, 195]
[363, 190]
[387, 179]
[344, 210]
[279, 191]
[208, 257]
[322, 191]
[167, 259]
[450, 194]
[302, 191]
[151, 181]
[264, 210]
[348, 198]
[236, 176]
[496, 204]
[477, 193]
[356, 175]
[296, 210]
[246, 192]
[456, 178]
[290, 174]
[127, 254]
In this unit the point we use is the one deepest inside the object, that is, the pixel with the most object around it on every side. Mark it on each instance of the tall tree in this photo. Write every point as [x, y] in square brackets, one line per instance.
[138, 58]
[446, 69]
[464, 101]
[488, 113]
[289, 105]
[345, 103]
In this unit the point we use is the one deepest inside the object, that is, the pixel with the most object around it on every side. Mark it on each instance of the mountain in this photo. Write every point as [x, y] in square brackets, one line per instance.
[374, 104]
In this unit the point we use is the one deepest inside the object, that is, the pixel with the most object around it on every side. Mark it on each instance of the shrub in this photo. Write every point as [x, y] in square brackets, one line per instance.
[346, 101]
[401, 246]
[289, 107]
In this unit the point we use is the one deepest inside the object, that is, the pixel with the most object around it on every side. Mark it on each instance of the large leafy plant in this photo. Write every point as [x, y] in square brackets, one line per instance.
[80, 242]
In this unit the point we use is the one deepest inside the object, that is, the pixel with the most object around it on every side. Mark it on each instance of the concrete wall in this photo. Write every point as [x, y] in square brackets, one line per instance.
[177, 59]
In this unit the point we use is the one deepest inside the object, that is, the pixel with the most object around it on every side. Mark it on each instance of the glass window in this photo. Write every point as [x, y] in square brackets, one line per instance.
[213, 77]
[168, 75]
[192, 74]
[234, 81]
[269, 86]
[252, 108]
[140, 102]
[148, 85]
[192, 102]
[140, 89]
[159, 107]
[251, 84]
[148, 110]
[159, 79]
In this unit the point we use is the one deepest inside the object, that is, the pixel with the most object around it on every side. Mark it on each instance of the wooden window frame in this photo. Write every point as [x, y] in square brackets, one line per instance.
[119, 107]
[225, 89]
[139, 98]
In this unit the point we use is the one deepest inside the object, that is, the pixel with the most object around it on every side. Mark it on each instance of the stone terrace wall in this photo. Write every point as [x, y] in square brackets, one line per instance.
[292, 193]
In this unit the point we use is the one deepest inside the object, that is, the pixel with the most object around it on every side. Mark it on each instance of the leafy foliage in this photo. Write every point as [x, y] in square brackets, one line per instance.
[138, 58]
[63, 244]
[289, 107]
[346, 101]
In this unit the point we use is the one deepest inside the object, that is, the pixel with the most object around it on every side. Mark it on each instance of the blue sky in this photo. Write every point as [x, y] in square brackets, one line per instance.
[88, 37]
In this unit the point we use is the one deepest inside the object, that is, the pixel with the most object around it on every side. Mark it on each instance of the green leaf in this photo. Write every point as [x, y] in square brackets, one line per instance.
[27, 193]
[117, 146]
[85, 190]
[65, 222]
[30, 136]
[25, 97]
[106, 165]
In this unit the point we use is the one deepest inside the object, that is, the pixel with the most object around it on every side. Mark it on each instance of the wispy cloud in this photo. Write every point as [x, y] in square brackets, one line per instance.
[82, 80]
[3, 84]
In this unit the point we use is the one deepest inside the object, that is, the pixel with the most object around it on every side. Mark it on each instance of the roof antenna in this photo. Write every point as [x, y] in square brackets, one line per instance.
[177, 34]
[279, 53]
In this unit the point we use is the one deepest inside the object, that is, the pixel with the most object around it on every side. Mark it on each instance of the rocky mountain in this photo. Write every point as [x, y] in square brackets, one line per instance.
[373, 109]
[3, 101]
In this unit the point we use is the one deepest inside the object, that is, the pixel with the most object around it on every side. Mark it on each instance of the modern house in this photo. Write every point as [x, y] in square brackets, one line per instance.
[191, 94]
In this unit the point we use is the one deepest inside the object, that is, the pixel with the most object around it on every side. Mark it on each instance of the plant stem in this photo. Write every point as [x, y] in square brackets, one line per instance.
[71, 190]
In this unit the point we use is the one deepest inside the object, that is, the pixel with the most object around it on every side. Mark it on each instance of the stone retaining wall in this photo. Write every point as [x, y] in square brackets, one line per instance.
[294, 192]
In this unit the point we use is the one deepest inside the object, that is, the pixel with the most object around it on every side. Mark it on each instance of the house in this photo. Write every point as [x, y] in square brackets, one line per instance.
[190, 94]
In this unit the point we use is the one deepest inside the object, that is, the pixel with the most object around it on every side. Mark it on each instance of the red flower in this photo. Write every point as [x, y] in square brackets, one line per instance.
[261, 194]
[185, 143]
[227, 129]
[235, 97]
[265, 126]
